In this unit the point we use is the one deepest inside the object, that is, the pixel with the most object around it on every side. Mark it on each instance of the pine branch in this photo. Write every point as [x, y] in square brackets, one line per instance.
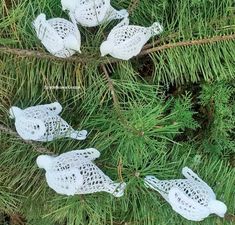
[117, 104]
[36, 148]
[43, 150]
[177, 34]
[110, 60]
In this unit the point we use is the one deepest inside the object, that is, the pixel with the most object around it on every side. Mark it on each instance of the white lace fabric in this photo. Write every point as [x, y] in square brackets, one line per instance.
[90, 13]
[59, 36]
[126, 41]
[192, 198]
[75, 173]
[43, 123]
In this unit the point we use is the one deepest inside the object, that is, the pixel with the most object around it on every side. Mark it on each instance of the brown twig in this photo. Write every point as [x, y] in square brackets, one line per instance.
[125, 223]
[133, 5]
[36, 148]
[229, 217]
[17, 219]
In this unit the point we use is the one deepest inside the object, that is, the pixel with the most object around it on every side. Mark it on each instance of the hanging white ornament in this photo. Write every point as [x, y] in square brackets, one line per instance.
[75, 173]
[91, 13]
[126, 41]
[192, 198]
[59, 36]
[43, 123]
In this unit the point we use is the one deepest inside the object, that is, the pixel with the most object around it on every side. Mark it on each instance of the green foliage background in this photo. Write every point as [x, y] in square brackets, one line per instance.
[151, 115]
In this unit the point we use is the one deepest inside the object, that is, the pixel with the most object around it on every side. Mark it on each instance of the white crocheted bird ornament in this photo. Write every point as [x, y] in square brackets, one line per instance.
[192, 198]
[126, 41]
[59, 36]
[43, 123]
[91, 13]
[74, 172]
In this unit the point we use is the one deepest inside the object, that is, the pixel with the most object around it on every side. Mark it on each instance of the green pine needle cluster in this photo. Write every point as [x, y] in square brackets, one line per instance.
[152, 115]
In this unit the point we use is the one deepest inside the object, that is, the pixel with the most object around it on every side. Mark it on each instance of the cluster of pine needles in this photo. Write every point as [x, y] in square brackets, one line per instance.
[169, 107]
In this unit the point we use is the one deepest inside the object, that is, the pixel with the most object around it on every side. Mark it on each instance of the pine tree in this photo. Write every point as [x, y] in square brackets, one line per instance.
[171, 106]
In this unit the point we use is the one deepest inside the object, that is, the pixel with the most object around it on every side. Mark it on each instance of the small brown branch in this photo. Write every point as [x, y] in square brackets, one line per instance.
[160, 41]
[188, 43]
[111, 87]
[7, 130]
[36, 148]
[42, 55]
